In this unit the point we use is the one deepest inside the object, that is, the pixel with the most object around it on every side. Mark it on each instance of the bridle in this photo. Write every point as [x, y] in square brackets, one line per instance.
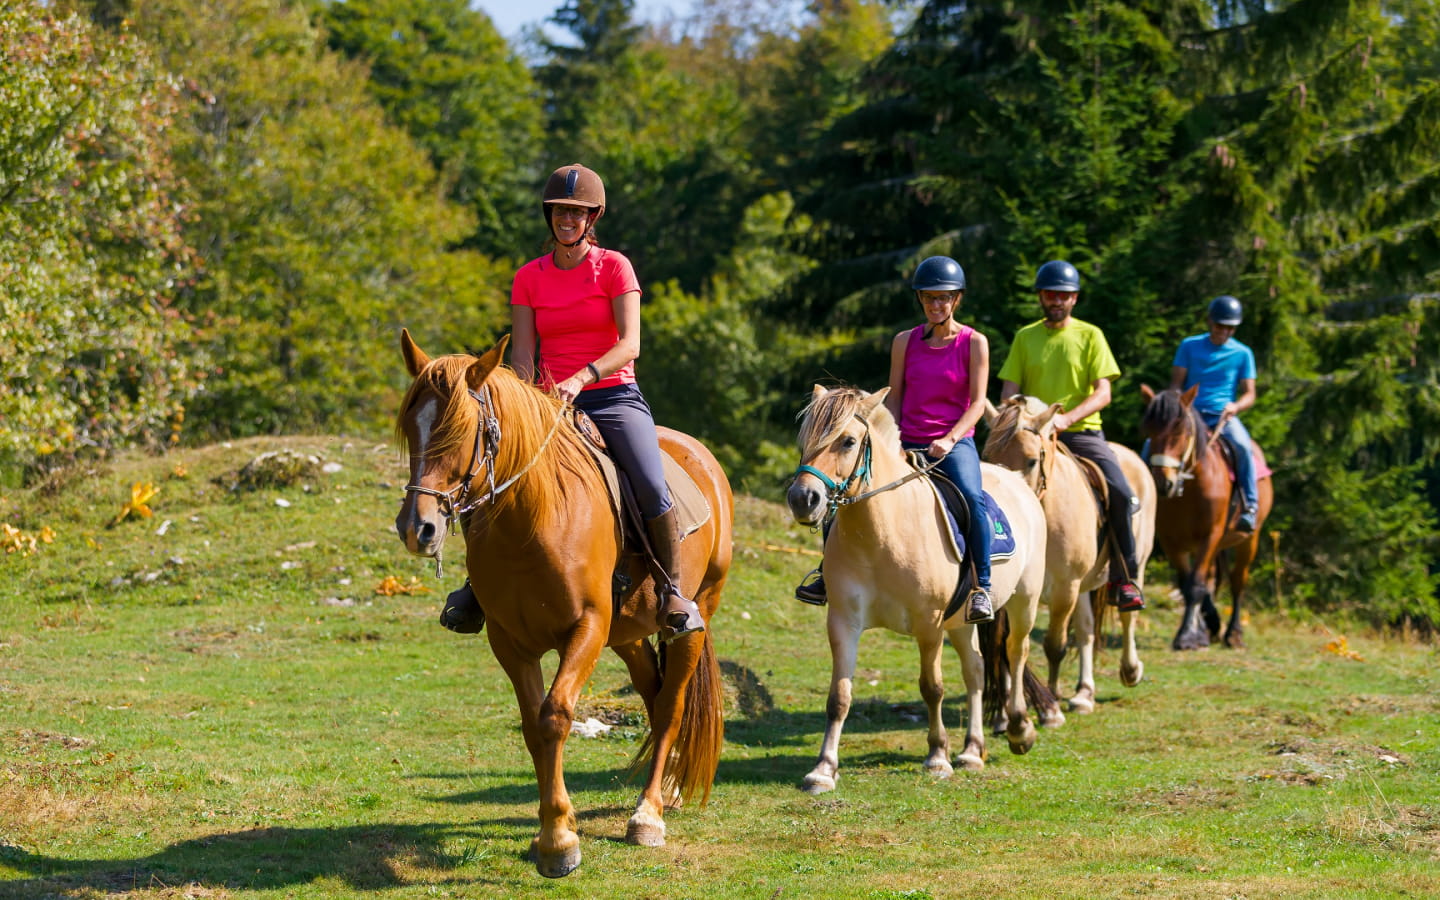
[1040, 461]
[456, 502]
[1184, 466]
[836, 493]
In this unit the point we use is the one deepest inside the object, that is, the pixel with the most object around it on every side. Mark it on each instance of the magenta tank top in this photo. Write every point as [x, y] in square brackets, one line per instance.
[937, 386]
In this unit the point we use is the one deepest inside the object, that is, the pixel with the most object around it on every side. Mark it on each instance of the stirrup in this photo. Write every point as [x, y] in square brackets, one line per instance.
[1125, 596]
[675, 623]
[812, 589]
[1246, 523]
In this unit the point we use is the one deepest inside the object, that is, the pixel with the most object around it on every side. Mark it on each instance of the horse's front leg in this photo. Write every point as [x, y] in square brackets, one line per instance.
[1020, 732]
[844, 647]
[932, 691]
[1062, 597]
[1192, 635]
[1085, 634]
[556, 849]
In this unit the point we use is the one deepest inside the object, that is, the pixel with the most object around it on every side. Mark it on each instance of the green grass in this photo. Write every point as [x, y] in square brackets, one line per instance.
[228, 709]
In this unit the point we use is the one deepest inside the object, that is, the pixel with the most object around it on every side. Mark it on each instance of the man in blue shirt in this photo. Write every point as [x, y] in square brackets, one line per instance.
[1224, 370]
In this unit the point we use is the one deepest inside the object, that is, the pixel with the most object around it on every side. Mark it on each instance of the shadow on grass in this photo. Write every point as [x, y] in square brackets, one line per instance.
[363, 857]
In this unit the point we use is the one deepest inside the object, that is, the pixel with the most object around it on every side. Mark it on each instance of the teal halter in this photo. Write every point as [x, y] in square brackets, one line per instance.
[835, 491]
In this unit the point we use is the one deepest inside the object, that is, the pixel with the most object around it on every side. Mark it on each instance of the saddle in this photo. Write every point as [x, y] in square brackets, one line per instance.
[692, 509]
[957, 512]
[1229, 452]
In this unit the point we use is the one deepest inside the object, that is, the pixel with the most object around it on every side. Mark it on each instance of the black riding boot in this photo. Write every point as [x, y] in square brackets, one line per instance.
[462, 613]
[679, 615]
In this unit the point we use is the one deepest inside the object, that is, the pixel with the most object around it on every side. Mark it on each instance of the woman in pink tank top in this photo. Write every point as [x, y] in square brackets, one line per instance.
[938, 375]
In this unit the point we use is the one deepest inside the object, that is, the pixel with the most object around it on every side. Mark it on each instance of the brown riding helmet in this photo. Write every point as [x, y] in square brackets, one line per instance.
[575, 185]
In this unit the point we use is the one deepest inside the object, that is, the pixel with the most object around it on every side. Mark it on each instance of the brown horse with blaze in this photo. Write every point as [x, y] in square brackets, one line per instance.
[543, 550]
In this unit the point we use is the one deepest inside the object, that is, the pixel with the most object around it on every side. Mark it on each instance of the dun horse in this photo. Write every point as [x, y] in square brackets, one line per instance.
[889, 565]
[1077, 555]
[543, 550]
[1194, 521]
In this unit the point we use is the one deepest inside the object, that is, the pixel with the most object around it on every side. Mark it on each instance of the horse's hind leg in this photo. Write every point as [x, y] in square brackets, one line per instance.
[1239, 577]
[647, 824]
[844, 648]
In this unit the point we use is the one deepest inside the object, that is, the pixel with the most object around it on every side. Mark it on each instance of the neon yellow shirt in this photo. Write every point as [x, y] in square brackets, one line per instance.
[1061, 365]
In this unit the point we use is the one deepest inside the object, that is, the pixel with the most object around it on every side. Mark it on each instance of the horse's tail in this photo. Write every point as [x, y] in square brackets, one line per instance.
[695, 755]
[994, 648]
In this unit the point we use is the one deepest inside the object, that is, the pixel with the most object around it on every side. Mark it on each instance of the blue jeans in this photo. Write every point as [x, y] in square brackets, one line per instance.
[962, 466]
[628, 426]
[1237, 435]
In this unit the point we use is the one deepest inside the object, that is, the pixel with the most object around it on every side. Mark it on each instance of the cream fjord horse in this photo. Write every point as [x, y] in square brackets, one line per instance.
[889, 564]
[1023, 438]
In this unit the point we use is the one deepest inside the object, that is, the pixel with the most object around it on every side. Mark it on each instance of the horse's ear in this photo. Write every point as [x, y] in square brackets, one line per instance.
[481, 368]
[1047, 427]
[1189, 396]
[1013, 400]
[869, 404]
[991, 413]
[817, 393]
[1147, 392]
[415, 358]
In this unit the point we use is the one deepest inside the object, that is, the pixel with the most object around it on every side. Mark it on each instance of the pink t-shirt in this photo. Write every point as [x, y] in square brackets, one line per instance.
[937, 386]
[575, 313]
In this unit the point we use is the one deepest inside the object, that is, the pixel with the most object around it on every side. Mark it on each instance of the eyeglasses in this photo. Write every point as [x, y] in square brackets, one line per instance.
[569, 212]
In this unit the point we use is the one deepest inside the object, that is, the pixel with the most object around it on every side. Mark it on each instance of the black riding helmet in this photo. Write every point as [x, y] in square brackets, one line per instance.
[1225, 310]
[938, 273]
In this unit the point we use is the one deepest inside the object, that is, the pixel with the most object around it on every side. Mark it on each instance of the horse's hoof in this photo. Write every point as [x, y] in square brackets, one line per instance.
[1131, 676]
[1082, 703]
[1234, 642]
[941, 769]
[556, 865]
[1051, 717]
[970, 762]
[1022, 738]
[816, 783]
[645, 834]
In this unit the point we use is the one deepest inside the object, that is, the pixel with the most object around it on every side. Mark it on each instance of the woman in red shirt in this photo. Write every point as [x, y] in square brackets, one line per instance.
[579, 305]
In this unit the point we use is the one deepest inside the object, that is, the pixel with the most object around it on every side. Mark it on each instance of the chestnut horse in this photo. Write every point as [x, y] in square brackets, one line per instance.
[889, 565]
[542, 551]
[1023, 438]
[1193, 521]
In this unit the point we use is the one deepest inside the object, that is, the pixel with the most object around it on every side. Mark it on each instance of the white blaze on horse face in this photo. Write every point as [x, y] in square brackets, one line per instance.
[424, 424]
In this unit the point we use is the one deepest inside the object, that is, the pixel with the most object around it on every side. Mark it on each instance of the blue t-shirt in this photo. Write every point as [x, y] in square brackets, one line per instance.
[1218, 370]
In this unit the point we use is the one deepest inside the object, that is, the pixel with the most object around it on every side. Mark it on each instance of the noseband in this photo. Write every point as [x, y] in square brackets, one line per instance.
[456, 502]
[1184, 466]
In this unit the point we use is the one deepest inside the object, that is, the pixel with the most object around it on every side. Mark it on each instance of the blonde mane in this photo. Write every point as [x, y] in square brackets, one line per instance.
[527, 416]
[824, 417]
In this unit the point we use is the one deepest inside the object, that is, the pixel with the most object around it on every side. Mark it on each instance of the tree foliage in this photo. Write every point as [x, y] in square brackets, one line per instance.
[92, 249]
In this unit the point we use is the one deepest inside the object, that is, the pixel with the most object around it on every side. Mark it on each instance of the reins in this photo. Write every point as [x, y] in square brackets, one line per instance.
[487, 440]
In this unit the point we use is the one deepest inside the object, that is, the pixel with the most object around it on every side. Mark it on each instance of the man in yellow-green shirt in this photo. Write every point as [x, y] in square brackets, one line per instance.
[1061, 359]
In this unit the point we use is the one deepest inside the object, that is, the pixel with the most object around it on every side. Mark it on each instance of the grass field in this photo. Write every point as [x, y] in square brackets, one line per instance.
[215, 701]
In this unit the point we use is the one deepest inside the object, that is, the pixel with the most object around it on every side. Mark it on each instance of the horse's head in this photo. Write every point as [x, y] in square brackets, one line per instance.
[440, 426]
[1177, 437]
[837, 434]
[1022, 438]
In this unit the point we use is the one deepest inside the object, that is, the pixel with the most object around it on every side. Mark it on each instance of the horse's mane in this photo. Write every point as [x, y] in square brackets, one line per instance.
[826, 415]
[1007, 422]
[526, 416]
[1166, 410]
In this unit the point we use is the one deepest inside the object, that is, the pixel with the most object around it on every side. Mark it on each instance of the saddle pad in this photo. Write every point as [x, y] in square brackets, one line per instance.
[691, 508]
[1002, 539]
